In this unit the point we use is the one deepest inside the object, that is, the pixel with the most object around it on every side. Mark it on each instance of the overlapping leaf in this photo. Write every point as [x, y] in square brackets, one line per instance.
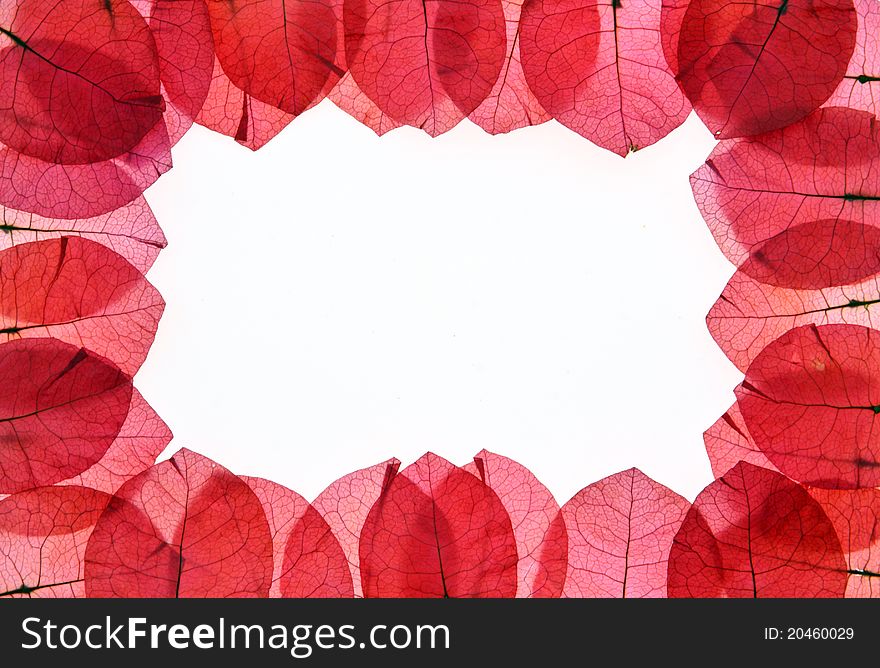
[80, 83]
[812, 188]
[95, 97]
[184, 528]
[672, 13]
[43, 536]
[810, 400]
[755, 533]
[232, 112]
[538, 525]
[61, 407]
[598, 68]
[749, 68]
[348, 96]
[728, 442]
[81, 292]
[854, 515]
[510, 104]
[132, 231]
[184, 45]
[620, 530]
[860, 88]
[309, 562]
[83, 191]
[345, 505]
[750, 315]
[81, 126]
[426, 64]
[141, 439]
[280, 52]
[438, 531]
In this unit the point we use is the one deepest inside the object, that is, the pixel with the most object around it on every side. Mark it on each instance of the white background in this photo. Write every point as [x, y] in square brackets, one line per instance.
[336, 299]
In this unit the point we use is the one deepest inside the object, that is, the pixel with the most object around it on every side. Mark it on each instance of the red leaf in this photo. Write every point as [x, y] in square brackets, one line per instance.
[232, 112]
[854, 514]
[351, 99]
[816, 255]
[598, 68]
[132, 231]
[81, 292]
[511, 104]
[438, 531]
[860, 88]
[538, 525]
[620, 530]
[345, 504]
[823, 172]
[810, 400]
[755, 533]
[43, 534]
[749, 68]
[282, 53]
[184, 528]
[60, 409]
[83, 191]
[141, 440]
[182, 30]
[728, 442]
[750, 315]
[82, 81]
[672, 13]
[425, 63]
[309, 563]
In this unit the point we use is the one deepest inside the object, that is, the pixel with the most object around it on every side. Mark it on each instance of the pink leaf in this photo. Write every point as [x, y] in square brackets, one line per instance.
[83, 191]
[351, 99]
[309, 563]
[140, 441]
[232, 112]
[750, 315]
[860, 88]
[598, 68]
[620, 530]
[345, 505]
[672, 13]
[132, 231]
[43, 535]
[728, 442]
[511, 104]
[816, 255]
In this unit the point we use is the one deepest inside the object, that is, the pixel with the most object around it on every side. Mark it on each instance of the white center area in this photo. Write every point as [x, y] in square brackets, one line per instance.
[336, 299]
